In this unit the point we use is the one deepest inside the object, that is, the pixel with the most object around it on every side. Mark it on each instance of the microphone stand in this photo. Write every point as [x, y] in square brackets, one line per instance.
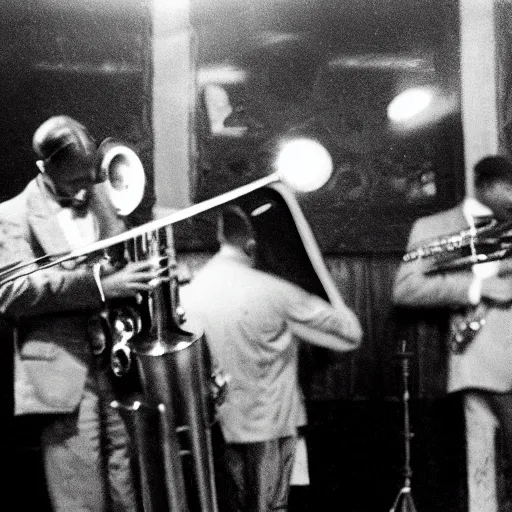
[404, 501]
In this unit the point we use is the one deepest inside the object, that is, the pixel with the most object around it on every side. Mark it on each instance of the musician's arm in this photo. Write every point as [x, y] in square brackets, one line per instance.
[46, 291]
[333, 326]
[323, 339]
[497, 289]
[413, 288]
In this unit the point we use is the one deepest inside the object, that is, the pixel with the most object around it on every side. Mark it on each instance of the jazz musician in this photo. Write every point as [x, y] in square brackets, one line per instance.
[251, 320]
[60, 359]
[480, 360]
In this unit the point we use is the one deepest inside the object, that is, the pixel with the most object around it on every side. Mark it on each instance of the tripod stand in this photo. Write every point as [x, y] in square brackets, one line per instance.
[404, 501]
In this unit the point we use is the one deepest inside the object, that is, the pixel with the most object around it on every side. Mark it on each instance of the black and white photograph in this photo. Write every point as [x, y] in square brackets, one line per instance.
[254, 255]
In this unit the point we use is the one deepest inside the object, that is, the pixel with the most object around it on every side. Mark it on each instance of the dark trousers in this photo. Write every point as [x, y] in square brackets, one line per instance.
[259, 474]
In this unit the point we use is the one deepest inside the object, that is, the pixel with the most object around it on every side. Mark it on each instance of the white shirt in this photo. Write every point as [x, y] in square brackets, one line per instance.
[79, 231]
[472, 209]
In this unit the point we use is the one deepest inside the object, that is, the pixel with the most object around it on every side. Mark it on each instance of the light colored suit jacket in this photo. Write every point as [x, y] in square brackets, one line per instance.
[50, 309]
[248, 318]
[487, 362]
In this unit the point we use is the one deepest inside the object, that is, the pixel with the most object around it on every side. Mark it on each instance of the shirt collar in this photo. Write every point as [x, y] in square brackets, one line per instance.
[473, 208]
[228, 251]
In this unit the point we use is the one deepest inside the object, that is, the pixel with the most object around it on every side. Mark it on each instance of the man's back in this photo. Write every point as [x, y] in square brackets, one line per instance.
[244, 314]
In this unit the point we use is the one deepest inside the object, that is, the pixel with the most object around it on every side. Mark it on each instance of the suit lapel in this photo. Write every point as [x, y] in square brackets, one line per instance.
[42, 217]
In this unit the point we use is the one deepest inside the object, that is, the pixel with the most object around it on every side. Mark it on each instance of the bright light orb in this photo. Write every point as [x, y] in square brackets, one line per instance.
[408, 104]
[304, 164]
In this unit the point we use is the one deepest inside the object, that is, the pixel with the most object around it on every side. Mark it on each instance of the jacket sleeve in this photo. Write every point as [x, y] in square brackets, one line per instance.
[316, 321]
[50, 292]
[46, 291]
[413, 288]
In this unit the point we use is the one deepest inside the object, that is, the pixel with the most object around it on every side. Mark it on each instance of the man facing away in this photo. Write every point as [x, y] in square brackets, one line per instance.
[61, 365]
[251, 320]
[482, 370]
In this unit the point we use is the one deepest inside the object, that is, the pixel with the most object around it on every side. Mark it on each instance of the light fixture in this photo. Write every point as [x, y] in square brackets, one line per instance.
[304, 164]
[409, 104]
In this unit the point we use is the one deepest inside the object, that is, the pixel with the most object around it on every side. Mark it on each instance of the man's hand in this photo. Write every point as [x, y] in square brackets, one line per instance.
[136, 277]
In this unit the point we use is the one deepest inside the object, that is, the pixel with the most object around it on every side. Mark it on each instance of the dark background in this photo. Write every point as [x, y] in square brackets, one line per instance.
[90, 60]
[328, 70]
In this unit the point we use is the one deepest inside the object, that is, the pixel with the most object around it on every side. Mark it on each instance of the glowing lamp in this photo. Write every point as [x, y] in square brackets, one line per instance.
[304, 164]
[409, 104]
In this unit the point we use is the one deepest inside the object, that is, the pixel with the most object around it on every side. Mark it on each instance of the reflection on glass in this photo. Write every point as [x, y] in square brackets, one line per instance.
[375, 83]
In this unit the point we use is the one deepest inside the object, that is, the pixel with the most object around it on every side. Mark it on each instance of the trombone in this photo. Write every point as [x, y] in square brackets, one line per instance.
[17, 270]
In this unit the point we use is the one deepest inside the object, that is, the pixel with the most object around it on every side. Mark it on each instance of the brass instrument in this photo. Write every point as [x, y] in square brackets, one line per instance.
[169, 419]
[485, 242]
[174, 376]
[23, 269]
[485, 234]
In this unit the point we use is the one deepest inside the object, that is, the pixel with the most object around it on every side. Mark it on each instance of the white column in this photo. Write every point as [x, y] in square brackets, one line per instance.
[480, 129]
[478, 83]
[173, 98]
